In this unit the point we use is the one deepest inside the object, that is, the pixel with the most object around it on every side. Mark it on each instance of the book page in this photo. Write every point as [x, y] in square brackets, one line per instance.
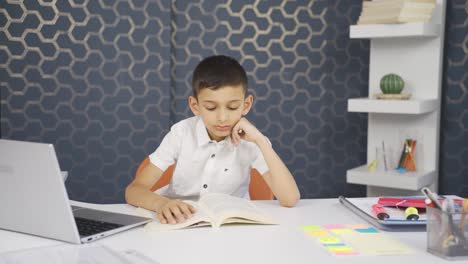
[230, 209]
[200, 218]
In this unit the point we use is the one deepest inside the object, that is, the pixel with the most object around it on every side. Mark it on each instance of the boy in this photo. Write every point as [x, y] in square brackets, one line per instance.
[214, 150]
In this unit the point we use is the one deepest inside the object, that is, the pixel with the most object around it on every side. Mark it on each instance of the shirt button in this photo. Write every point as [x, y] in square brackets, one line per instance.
[213, 155]
[205, 186]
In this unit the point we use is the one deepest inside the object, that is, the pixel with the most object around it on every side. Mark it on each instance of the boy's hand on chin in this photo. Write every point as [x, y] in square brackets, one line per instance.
[246, 131]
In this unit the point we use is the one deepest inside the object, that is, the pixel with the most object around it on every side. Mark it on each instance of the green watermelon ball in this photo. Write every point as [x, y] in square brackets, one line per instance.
[391, 84]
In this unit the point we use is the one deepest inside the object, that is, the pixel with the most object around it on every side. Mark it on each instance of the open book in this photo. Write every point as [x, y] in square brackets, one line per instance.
[215, 209]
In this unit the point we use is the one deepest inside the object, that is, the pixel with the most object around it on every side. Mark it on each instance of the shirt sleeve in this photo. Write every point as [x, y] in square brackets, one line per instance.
[168, 151]
[259, 162]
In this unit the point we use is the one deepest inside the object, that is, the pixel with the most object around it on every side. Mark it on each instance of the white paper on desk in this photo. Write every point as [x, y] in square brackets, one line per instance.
[73, 254]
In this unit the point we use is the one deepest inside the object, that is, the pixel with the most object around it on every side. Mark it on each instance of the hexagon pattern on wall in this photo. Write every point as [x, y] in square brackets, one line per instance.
[104, 80]
[454, 120]
[91, 77]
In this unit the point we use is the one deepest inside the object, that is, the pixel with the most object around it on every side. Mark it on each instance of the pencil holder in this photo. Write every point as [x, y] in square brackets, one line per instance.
[447, 234]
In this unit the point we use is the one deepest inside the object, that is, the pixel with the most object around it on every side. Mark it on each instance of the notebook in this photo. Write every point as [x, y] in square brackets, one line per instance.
[395, 207]
[33, 198]
[363, 208]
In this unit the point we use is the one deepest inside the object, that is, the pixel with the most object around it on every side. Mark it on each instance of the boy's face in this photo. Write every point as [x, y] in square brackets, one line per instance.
[221, 109]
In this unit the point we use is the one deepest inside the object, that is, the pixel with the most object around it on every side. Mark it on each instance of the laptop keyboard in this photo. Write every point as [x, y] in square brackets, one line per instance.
[88, 227]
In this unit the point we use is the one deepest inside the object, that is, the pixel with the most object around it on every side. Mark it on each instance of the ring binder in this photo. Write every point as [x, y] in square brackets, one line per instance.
[363, 208]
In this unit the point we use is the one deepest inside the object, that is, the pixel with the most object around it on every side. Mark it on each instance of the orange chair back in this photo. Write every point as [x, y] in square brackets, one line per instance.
[258, 188]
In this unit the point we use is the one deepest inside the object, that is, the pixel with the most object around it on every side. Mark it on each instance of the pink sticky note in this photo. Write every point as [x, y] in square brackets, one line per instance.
[334, 226]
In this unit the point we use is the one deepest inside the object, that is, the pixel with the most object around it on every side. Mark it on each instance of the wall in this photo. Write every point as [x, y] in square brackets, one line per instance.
[104, 80]
[91, 77]
[454, 120]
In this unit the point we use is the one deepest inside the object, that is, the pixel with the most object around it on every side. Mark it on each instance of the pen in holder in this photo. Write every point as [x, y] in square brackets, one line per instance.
[447, 234]
[383, 160]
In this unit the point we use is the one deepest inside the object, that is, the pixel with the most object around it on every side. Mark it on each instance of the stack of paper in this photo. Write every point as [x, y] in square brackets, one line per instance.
[396, 11]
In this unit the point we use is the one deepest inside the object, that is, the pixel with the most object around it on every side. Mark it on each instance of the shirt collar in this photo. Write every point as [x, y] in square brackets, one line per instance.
[202, 135]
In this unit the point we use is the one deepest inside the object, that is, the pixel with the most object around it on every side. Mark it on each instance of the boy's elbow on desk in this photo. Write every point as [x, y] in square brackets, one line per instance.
[130, 195]
[290, 201]
[127, 193]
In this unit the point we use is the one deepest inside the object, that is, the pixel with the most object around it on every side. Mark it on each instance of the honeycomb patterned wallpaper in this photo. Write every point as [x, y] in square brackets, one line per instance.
[103, 80]
[454, 119]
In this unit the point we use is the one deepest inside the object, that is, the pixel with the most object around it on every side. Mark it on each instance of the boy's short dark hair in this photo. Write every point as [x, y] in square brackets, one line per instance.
[217, 71]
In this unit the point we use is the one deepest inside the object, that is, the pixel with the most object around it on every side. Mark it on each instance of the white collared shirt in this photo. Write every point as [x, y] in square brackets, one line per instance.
[204, 165]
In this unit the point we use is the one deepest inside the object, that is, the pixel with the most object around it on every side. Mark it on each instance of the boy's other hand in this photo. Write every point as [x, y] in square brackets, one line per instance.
[246, 131]
[174, 212]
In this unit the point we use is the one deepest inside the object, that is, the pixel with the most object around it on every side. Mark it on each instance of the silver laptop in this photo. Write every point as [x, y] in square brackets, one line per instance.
[33, 198]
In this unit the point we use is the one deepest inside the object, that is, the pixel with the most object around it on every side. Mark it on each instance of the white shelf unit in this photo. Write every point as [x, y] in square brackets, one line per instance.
[412, 106]
[413, 181]
[397, 30]
[414, 51]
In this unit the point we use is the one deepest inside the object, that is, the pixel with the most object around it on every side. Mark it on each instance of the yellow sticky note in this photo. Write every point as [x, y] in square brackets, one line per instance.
[341, 249]
[318, 233]
[341, 231]
[311, 228]
[328, 240]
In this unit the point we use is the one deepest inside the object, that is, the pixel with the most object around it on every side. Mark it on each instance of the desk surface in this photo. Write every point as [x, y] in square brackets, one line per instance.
[284, 243]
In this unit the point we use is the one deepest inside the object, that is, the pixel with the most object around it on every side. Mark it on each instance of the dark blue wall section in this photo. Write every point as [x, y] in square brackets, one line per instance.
[454, 120]
[93, 79]
[104, 81]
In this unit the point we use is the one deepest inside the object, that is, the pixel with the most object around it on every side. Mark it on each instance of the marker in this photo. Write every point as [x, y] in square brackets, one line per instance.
[411, 213]
[429, 194]
[429, 203]
[380, 212]
[464, 212]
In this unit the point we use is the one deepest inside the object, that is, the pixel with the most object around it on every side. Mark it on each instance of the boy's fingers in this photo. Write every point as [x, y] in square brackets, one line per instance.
[168, 215]
[236, 136]
[162, 219]
[232, 136]
[177, 214]
[192, 209]
[234, 139]
[186, 211]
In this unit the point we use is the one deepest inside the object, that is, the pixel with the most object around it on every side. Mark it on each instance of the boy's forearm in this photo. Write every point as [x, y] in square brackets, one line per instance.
[141, 197]
[282, 182]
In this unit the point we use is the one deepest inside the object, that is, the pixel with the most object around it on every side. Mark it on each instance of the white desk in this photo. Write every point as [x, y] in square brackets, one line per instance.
[284, 243]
